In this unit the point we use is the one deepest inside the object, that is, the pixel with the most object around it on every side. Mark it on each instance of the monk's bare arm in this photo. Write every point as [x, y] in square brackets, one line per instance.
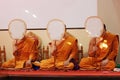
[92, 48]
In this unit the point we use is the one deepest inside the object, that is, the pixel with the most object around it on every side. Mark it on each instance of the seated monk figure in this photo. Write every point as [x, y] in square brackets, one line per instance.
[25, 47]
[65, 50]
[62, 53]
[102, 51]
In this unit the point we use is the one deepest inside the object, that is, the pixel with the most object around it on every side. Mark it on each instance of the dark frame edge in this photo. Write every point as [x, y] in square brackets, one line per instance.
[40, 29]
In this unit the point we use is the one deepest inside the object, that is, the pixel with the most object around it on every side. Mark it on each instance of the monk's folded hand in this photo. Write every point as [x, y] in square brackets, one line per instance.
[66, 62]
[28, 64]
[104, 62]
[92, 52]
[95, 48]
[98, 40]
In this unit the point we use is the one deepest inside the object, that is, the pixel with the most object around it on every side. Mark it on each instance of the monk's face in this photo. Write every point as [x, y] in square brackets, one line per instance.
[94, 26]
[56, 30]
[17, 34]
[17, 30]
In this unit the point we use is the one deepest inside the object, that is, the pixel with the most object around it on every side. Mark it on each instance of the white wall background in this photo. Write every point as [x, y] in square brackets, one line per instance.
[37, 13]
[109, 12]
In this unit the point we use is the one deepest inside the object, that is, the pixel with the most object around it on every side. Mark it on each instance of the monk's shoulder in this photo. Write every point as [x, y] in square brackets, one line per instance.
[112, 35]
[72, 38]
[30, 39]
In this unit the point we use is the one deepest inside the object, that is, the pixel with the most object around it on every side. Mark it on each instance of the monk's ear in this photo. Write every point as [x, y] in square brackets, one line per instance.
[104, 27]
[76, 40]
[117, 37]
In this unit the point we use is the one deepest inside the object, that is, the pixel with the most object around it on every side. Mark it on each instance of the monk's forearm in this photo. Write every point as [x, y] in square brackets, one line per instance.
[69, 59]
[91, 54]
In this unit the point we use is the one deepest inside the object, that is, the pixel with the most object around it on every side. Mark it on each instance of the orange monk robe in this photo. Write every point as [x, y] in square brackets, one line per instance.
[94, 60]
[67, 48]
[26, 50]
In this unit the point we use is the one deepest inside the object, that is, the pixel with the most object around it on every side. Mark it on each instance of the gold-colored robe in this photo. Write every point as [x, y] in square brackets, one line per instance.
[26, 50]
[67, 48]
[94, 60]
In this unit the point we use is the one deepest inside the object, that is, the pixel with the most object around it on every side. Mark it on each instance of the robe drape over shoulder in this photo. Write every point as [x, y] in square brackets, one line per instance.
[95, 58]
[26, 49]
